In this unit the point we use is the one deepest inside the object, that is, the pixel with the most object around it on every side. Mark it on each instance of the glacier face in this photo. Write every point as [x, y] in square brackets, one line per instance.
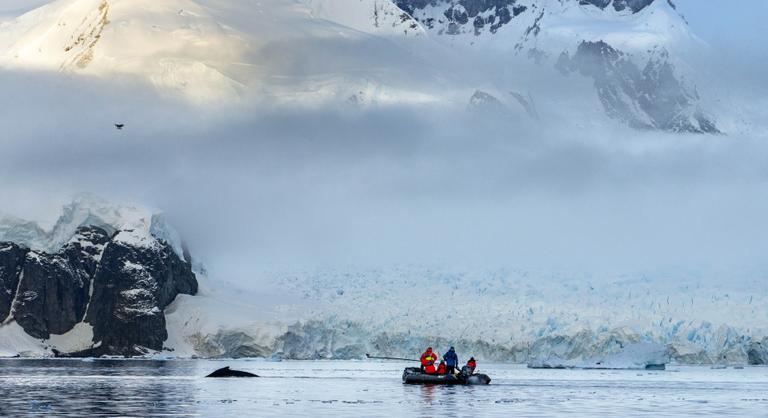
[525, 316]
[529, 317]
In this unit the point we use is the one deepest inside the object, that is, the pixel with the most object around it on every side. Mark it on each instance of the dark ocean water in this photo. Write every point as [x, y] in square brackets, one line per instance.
[77, 388]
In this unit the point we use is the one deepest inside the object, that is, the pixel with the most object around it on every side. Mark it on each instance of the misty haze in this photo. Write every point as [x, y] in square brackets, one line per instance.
[323, 189]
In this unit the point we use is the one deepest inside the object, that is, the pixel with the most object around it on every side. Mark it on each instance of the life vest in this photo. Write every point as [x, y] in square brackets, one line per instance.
[428, 358]
[471, 364]
[430, 369]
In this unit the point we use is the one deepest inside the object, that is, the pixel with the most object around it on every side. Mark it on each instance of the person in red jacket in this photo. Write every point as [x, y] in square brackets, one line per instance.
[471, 365]
[428, 361]
[441, 368]
[430, 369]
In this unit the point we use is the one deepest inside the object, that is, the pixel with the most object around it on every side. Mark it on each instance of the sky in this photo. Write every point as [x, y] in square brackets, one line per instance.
[731, 23]
[255, 187]
[14, 7]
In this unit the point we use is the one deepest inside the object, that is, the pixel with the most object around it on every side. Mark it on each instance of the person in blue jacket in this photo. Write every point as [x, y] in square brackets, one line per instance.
[451, 361]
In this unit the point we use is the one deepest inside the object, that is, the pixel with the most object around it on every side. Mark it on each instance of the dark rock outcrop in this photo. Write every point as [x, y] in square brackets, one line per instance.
[11, 262]
[133, 285]
[651, 97]
[51, 296]
[119, 286]
[54, 289]
[84, 250]
[619, 5]
[463, 16]
[478, 16]
[486, 103]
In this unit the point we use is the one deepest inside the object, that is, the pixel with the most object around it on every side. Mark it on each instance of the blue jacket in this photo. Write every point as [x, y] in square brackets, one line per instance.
[451, 359]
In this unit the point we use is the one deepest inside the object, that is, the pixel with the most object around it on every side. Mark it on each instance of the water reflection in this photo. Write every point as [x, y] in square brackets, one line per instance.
[86, 388]
[75, 388]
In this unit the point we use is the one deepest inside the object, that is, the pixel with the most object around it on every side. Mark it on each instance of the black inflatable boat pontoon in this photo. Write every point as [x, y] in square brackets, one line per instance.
[414, 376]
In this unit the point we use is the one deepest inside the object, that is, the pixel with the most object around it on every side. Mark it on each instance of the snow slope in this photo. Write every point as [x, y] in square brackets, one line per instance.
[137, 225]
[206, 51]
[174, 44]
[370, 16]
[363, 52]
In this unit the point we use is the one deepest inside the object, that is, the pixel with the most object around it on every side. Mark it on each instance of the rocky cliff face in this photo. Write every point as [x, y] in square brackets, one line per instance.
[51, 296]
[463, 16]
[641, 88]
[11, 263]
[619, 5]
[648, 97]
[453, 17]
[133, 285]
[118, 284]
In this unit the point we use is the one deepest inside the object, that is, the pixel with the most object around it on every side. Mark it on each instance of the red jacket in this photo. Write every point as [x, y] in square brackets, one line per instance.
[471, 364]
[428, 358]
[441, 368]
[430, 369]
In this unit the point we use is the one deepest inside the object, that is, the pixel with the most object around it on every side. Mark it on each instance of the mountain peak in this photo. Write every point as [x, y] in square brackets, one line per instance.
[619, 5]
[137, 225]
[316, 52]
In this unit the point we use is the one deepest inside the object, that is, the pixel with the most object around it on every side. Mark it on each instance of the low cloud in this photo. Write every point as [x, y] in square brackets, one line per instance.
[254, 188]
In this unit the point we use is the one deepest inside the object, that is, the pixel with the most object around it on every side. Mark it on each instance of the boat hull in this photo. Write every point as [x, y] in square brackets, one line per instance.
[414, 376]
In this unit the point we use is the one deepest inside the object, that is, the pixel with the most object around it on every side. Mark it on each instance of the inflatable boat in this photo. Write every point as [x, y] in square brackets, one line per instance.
[414, 376]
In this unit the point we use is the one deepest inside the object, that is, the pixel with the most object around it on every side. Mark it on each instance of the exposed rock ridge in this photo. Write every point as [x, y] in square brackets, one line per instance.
[117, 286]
[462, 16]
[87, 35]
[652, 96]
[479, 16]
[619, 5]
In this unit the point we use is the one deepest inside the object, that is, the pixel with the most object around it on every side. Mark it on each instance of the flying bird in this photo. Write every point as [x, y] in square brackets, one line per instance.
[119, 126]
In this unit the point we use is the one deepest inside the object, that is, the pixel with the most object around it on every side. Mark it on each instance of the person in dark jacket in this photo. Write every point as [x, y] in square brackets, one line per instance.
[451, 361]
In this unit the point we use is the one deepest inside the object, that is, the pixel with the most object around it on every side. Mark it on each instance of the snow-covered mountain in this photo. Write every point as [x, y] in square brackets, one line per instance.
[631, 50]
[109, 279]
[110, 270]
[88, 210]
[413, 52]
[97, 283]
[208, 51]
